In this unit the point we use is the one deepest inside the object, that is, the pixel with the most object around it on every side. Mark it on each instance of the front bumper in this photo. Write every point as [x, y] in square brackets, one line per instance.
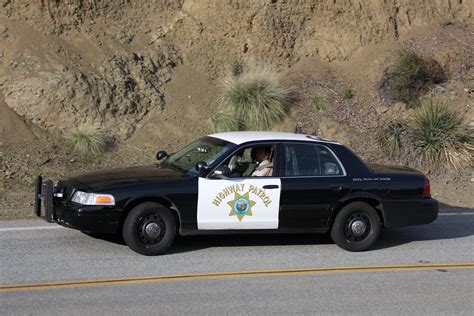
[410, 212]
[90, 219]
[86, 218]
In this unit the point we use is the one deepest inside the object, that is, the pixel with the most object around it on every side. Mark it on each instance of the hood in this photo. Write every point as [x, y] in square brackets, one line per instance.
[106, 178]
[377, 168]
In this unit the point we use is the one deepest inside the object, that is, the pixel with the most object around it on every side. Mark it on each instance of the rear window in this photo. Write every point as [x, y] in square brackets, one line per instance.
[309, 160]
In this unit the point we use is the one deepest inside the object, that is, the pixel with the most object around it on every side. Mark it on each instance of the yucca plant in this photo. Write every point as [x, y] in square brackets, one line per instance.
[88, 140]
[441, 138]
[252, 101]
[393, 137]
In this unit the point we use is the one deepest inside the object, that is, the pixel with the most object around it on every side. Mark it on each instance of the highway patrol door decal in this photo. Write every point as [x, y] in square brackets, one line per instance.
[238, 203]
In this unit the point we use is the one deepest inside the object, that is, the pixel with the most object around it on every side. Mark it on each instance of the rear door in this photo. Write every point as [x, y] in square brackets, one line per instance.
[312, 180]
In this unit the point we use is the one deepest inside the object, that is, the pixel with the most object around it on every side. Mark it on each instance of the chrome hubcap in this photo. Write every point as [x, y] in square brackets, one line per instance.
[358, 228]
[152, 230]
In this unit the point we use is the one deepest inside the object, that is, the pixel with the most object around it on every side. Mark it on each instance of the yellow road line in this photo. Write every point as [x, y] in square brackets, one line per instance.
[227, 275]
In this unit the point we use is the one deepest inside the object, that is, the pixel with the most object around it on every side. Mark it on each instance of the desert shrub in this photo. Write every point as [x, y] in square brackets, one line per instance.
[225, 121]
[437, 138]
[441, 138]
[392, 137]
[348, 94]
[252, 101]
[88, 140]
[409, 76]
[319, 102]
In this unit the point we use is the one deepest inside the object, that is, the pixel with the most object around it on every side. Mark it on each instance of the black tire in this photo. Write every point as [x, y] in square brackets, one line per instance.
[149, 229]
[356, 227]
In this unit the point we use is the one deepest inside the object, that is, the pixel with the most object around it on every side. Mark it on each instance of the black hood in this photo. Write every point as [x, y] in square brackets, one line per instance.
[115, 177]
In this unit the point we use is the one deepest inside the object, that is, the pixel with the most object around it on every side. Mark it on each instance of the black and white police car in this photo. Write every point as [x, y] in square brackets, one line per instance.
[241, 182]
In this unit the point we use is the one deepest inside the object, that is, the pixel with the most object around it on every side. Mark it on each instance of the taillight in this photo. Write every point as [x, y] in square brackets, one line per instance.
[426, 189]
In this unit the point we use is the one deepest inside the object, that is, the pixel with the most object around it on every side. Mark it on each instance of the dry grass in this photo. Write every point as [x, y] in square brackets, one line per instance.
[88, 140]
[251, 101]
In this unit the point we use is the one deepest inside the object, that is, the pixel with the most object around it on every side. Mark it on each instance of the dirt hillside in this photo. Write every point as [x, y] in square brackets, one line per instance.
[150, 73]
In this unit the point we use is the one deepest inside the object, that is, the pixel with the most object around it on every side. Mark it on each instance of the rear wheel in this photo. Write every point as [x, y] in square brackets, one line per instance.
[356, 227]
[149, 229]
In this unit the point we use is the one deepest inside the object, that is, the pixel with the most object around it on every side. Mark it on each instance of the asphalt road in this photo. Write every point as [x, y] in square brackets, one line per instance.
[412, 270]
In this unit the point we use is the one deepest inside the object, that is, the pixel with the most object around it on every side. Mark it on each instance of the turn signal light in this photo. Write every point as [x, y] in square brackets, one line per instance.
[103, 199]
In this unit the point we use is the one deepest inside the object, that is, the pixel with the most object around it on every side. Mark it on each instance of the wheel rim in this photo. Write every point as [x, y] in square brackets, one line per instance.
[357, 227]
[151, 229]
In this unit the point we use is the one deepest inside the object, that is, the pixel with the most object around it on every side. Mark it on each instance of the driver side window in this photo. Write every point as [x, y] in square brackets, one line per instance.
[241, 164]
[251, 161]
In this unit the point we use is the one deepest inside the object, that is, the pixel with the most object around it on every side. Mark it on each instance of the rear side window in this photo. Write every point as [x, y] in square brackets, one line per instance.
[309, 160]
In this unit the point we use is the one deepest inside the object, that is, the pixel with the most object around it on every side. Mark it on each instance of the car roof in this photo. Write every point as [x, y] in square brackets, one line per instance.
[249, 136]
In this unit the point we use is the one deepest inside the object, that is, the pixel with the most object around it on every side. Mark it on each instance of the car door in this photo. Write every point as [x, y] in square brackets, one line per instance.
[313, 180]
[239, 201]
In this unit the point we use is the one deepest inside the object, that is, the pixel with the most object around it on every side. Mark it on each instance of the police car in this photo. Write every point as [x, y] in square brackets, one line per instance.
[241, 182]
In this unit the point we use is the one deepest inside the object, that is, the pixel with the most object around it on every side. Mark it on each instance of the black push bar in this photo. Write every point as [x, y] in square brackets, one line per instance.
[44, 192]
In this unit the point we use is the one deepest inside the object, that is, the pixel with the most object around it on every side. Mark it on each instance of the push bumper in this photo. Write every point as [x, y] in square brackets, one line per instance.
[90, 219]
[410, 212]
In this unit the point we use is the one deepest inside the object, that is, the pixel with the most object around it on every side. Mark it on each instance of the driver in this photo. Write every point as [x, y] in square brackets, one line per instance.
[264, 167]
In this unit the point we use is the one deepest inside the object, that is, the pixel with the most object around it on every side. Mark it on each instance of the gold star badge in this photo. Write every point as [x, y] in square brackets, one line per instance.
[241, 206]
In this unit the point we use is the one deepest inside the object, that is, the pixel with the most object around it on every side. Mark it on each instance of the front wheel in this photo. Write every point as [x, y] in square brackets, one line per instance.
[356, 227]
[149, 229]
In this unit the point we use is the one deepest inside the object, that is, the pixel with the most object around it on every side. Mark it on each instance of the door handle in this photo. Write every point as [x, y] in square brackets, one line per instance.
[336, 188]
[271, 186]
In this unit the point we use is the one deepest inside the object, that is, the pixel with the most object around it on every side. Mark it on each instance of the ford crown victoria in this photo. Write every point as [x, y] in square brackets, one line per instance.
[243, 182]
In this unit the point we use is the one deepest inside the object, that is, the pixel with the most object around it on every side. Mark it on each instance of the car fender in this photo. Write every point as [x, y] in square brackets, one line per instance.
[370, 198]
[161, 199]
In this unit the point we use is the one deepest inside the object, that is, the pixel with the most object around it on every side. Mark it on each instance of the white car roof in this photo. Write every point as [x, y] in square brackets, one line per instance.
[248, 136]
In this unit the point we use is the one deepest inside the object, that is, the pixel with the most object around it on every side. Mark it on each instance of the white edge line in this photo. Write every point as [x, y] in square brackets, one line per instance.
[461, 213]
[28, 228]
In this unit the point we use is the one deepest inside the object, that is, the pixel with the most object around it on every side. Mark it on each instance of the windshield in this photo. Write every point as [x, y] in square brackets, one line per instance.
[206, 149]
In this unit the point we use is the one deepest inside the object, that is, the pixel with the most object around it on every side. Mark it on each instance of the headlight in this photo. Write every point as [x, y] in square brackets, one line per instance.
[93, 198]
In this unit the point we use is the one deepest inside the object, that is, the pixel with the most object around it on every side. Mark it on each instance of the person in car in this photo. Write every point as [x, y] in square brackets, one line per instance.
[265, 166]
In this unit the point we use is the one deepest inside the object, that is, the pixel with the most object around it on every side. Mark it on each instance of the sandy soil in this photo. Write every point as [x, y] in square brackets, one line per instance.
[151, 74]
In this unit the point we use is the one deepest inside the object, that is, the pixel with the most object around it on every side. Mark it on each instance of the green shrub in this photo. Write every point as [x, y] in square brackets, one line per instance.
[251, 102]
[409, 76]
[319, 102]
[441, 138]
[437, 138]
[348, 94]
[225, 121]
[88, 140]
[392, 137]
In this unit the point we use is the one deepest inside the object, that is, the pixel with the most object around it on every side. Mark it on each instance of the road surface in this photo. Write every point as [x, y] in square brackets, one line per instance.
[47, 269]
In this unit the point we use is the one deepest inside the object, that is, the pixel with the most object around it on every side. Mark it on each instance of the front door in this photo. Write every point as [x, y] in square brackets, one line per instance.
[249, 198]
[242, 203]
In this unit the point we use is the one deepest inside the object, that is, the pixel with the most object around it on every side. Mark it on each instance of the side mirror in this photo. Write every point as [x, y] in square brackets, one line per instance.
[161, 154]
[221, 172]
[201, 166]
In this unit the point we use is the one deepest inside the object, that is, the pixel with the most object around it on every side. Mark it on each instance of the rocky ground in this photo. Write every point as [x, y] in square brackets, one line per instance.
[150, 73]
